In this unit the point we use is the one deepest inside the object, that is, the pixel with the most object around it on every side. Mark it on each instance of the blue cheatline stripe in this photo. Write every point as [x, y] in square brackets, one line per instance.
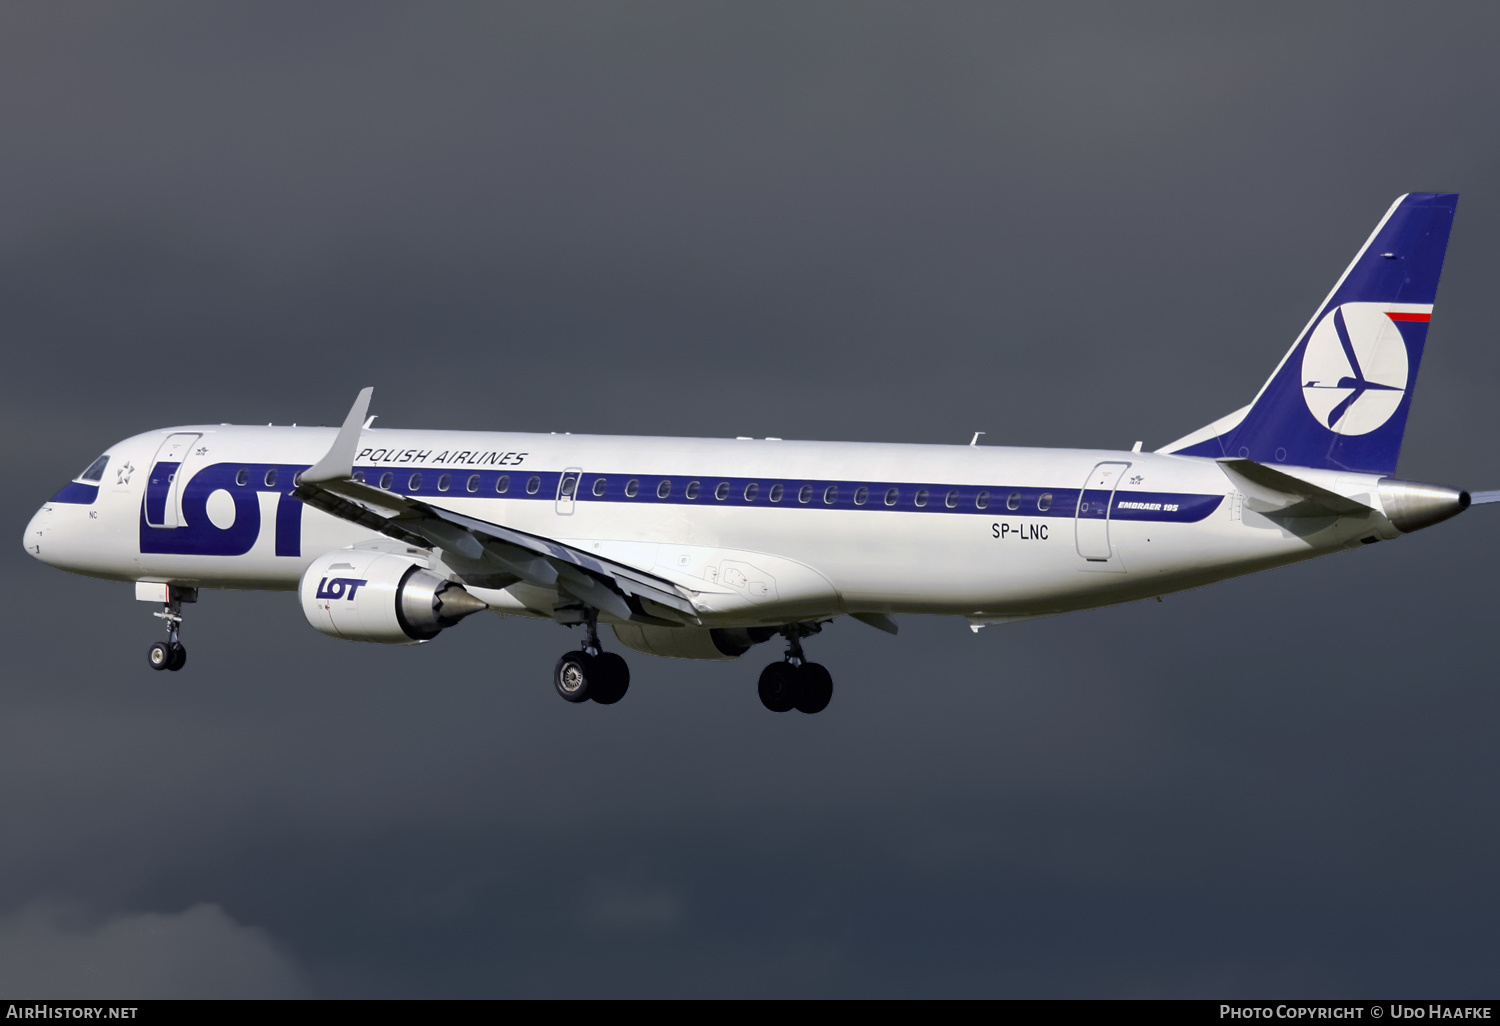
[197, 535]
[739, 492]
[934, 497]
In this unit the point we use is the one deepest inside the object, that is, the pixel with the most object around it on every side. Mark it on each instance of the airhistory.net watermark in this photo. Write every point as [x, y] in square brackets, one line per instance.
[43, 1010]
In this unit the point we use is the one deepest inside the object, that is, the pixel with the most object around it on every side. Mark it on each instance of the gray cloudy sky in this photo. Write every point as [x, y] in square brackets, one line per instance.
[1060, 224]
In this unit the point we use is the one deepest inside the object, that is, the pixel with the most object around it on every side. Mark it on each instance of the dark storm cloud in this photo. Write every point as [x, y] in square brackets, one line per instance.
[1079, 226]
[199, 952]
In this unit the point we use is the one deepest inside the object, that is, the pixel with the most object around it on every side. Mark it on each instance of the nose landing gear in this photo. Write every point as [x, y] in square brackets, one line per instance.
[167, 655]
[171, 654]
[795, 683]
[591, 673]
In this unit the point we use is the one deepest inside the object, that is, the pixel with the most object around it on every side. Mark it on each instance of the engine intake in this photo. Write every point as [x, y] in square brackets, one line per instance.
[380, 597]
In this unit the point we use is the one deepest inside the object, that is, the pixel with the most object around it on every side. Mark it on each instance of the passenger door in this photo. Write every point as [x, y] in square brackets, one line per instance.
[164, 484]
[1092, 518]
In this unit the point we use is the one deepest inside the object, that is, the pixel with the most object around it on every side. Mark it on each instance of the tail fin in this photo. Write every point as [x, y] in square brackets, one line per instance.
[1340, 396]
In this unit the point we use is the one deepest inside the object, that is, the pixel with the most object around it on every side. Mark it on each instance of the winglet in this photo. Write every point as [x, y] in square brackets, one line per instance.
[337, 463]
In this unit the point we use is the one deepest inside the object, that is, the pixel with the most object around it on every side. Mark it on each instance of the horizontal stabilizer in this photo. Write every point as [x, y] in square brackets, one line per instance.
[1270, 492]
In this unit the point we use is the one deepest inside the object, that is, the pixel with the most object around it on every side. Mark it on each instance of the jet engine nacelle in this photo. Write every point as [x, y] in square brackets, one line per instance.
[375, 596]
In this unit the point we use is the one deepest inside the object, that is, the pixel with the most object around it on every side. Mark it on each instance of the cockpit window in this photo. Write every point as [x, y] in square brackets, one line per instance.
[95, 471]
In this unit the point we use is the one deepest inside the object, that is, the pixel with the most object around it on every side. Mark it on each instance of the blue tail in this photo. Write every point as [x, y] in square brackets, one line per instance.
[1340, 397]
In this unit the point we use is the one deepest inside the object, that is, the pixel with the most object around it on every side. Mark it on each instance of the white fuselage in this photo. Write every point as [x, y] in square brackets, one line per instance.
[774, 531]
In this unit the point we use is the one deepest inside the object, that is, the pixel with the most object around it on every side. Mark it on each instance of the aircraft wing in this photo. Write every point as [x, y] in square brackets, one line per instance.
[493, 554]
[1275, 494]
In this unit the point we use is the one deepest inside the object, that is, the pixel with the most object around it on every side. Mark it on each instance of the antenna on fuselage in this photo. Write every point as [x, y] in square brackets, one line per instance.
[975, 440]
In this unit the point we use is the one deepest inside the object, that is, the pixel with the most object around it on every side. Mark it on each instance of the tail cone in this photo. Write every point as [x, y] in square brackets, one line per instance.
[1412, 506]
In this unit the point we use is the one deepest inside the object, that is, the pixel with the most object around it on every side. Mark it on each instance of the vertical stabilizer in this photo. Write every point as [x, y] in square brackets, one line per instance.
[1340, 397]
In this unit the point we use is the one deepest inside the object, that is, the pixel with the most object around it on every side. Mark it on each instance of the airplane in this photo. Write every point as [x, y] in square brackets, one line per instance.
[703, 548]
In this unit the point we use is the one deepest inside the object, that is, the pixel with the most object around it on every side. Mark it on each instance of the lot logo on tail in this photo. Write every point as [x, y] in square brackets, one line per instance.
[1355, 369]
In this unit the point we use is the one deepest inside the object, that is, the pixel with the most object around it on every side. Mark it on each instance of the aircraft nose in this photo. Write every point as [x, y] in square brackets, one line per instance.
[36, 531]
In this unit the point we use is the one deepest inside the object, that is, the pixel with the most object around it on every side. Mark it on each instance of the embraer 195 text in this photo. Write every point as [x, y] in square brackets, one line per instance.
[702, 548]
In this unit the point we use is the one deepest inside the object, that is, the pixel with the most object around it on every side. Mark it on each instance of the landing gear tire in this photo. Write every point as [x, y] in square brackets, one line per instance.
[575, 676]
[179, 656]
[610, 680]
[815, 688]
[160, 656]
[779, 687]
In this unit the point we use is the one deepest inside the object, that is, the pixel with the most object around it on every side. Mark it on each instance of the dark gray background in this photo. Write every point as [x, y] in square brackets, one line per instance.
[1063, 225]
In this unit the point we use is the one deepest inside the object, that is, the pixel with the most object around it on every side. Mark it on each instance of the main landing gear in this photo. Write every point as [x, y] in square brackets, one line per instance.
[591, 672]
[171, 654]
[795, 683]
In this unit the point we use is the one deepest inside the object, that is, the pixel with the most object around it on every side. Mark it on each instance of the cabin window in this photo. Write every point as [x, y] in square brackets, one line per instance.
[534, 485]
[664, 489]
[242, 478]
[270, 478]
[502, 485]
[414, 483]
[1044, 501]
[1013, 501]
[565, 488]
[631, 488]
[444, 482]
[95, 471]
[860, 495]
[692, 490]
[387, 479]
[599, 485]
[359, 475]
[722, 492]
[776, 492]
[922, 496]
[982, 500]
[473, 484]
[891, 495]
[751, 491]
[952, 499]
[831, 494]
[804, 494]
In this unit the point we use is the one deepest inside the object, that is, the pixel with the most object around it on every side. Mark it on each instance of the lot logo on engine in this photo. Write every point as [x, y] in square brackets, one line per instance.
[340, 587]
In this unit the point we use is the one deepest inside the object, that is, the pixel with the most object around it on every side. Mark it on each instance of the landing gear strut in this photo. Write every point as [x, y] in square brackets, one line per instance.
[591, 672]
[795, 683]
[171, 654]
